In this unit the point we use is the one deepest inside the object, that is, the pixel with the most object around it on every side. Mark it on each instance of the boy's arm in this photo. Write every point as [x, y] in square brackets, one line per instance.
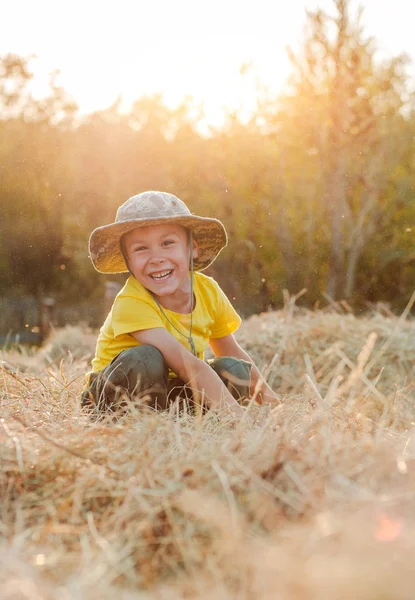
[228, 346]
[193, 371]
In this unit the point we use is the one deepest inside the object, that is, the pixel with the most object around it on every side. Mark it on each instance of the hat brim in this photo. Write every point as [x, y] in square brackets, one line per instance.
[105, 249]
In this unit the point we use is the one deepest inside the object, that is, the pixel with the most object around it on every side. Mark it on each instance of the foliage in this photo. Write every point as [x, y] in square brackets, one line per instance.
[315, 189]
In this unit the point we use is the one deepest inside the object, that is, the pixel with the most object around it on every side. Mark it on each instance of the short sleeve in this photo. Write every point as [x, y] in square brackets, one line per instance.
[133, 314]
[227, 319]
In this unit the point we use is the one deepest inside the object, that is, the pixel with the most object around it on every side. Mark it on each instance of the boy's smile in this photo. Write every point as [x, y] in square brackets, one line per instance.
[158, 257]
[162, 276]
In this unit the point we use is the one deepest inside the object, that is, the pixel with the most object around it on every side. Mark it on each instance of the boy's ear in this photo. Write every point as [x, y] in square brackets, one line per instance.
[195, 248]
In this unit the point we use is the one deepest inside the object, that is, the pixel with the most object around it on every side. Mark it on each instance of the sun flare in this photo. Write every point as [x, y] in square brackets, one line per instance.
[182, 48]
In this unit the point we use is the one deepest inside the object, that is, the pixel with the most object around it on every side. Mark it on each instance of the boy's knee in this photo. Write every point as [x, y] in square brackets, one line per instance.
[134, 372]
[235, 374]
[145, 359]
[229, 366]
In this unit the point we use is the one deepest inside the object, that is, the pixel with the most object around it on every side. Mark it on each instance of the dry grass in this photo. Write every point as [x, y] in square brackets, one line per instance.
[315, 499]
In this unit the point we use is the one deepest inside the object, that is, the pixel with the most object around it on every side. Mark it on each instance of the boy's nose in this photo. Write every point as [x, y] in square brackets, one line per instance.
[156, 259]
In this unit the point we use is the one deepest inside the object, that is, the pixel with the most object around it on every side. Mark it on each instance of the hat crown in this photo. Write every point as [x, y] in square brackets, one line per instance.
[151, 205]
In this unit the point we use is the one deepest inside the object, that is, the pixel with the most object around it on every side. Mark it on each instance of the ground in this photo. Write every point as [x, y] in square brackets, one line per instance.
[312, 499]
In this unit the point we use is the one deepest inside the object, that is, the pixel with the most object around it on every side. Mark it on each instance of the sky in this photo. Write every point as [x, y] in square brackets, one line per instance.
[133, 47]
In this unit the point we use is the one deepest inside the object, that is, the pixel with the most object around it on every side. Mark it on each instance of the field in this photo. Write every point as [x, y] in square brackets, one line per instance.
[313, 499]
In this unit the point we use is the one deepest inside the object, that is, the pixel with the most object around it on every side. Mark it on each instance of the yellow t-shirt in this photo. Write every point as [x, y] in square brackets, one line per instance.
[135, 309]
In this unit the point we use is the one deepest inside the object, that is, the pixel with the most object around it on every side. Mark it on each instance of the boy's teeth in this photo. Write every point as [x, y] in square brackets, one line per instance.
[161, 275]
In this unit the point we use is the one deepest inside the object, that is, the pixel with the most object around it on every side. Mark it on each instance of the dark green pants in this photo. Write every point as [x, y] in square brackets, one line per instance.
[141, 375]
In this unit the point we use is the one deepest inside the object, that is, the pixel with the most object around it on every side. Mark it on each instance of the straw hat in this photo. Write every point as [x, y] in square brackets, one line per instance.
[154, 208]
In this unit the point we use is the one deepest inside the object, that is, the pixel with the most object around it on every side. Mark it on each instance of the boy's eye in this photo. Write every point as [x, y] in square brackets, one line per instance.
[168, 242]
[139, 248]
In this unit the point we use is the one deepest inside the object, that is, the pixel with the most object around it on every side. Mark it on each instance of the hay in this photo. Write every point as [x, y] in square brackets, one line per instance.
[313, 499]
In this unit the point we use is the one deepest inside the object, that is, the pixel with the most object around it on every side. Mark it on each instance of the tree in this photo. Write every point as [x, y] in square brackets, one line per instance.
[357, 104]
[31, 150]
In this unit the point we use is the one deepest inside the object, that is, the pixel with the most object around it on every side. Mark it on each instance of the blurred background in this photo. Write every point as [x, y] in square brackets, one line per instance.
[292, 122]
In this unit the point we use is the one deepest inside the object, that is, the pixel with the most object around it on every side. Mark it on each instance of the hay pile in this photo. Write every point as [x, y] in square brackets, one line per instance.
[314, 499]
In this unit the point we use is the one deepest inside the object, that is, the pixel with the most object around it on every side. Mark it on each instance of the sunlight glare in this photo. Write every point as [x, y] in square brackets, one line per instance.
[132, 48]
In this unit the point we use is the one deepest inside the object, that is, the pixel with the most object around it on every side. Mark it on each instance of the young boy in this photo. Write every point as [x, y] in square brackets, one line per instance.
[153, 341]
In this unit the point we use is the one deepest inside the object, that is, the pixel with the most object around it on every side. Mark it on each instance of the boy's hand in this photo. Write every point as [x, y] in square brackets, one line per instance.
[235, 409]
[265, 395]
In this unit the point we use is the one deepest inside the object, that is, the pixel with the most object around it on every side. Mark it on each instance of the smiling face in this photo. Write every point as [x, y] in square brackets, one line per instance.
[158, 257]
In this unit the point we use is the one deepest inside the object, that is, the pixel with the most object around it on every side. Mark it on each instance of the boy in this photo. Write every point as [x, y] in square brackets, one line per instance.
[153, 341]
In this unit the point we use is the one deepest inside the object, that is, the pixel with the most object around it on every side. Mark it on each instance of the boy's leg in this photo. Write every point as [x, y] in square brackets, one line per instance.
[137, 373]
[235, 374]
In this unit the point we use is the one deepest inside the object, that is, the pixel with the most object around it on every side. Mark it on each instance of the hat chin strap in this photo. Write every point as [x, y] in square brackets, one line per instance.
[190, 338]
[191, 342]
